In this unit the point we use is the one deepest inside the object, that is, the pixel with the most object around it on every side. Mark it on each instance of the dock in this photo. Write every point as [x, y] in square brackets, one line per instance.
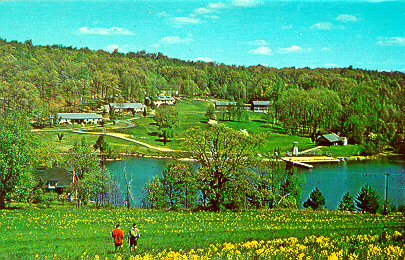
[303, 161]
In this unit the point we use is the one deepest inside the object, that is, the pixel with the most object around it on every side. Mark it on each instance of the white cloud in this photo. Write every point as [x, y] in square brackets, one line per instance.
[104, 31]
[262, 50]
[202, 10]
[176, 40]
[258, 42]
[186, 20]
[346, 18]
[215, 17]
[322, 26]
[111, 47]
[293, 48]
[217, 5]
[391, 41]
[205, 59]
[247, 3]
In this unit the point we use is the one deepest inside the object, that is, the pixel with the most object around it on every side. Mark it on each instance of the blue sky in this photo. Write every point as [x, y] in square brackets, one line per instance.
[364, 34]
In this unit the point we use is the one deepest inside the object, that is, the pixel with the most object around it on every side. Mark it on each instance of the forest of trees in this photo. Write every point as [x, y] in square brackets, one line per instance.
[368, 107]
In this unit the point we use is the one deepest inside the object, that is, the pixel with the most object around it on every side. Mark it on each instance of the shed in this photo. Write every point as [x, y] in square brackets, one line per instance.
[330, 139]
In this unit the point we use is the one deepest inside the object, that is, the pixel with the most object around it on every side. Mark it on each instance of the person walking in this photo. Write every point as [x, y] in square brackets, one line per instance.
[133, 235]
[118, 236]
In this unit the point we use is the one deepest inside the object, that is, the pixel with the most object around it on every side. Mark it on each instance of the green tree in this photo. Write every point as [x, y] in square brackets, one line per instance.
[291, 187]
[346, 204]
[269, 188]
[113, 115]
[166, 118]
[224, 155]
[103, 147]
[367, 200]
[210, 113]
[87, 167]
[17, 149]
[179, 185]
[315, 200]
[153, 194]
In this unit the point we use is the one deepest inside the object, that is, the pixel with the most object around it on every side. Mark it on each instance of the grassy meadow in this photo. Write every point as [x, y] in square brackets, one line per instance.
[77, 233]
[191, 114]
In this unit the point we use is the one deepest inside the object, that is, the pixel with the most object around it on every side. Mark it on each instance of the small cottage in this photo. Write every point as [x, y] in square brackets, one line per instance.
[55, 179]
[330, 140]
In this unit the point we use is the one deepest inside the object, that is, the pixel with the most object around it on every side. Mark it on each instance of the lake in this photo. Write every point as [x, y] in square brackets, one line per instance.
[333, 180]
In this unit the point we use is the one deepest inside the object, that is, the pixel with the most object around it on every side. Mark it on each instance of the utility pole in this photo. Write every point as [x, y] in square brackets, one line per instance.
[386, 193]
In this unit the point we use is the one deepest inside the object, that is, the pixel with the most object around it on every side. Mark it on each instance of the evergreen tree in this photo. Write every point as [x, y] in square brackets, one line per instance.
[346, 204]
[315, 200]
[367, 200]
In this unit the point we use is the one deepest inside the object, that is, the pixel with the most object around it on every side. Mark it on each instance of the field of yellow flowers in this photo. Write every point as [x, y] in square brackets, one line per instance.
[85, 233]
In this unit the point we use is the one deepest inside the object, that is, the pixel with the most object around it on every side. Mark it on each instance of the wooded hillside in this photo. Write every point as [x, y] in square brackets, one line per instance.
[362, 105]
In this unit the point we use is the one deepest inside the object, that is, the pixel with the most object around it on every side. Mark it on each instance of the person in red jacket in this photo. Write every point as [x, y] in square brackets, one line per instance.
[118, 236]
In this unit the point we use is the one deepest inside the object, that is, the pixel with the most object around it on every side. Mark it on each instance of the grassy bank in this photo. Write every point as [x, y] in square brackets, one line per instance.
[74, 233]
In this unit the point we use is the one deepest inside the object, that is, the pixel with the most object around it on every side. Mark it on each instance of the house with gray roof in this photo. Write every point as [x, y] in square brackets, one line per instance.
[126, 107]
[55, 179]
[330, 139]
[164, 100]
[223, 104]
[79, 118]
[261, 106]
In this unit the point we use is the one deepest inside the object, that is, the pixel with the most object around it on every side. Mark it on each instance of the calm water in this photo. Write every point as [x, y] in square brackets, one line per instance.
[333, 180]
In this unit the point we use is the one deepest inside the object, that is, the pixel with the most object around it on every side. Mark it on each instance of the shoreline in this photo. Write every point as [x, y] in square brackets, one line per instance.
[342, 158]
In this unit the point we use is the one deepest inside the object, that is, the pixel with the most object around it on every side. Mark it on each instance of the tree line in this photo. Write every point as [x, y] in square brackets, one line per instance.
[362, 105]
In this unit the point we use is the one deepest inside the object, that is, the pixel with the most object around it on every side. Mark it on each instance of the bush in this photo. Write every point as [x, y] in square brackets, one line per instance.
[315, 200]
[367, 200]
[288, 202]
[46, 198]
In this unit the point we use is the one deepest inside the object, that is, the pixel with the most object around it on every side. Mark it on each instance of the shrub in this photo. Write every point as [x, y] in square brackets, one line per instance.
[315, 200]
[288, 202]
[367, 200]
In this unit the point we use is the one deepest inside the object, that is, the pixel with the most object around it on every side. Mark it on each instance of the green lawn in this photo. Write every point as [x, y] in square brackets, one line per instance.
[191, 114]
[342, 151]
[73, 233]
